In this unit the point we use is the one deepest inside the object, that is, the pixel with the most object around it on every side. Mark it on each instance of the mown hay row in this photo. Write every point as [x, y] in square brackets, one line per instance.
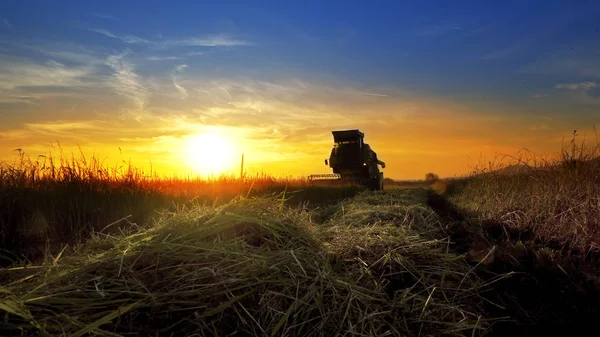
[255, 267]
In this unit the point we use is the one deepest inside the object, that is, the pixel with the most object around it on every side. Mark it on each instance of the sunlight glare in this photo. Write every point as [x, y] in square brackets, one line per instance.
[211, 154]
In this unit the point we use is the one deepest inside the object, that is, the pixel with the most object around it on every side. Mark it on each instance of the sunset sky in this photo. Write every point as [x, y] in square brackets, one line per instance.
[435, 85]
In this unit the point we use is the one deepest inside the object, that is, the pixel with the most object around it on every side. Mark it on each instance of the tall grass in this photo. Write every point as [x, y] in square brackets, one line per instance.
[552, 201]
[52, 201]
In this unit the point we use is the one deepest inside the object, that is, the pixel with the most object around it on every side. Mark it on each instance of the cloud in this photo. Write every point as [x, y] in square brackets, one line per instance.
[104, 16]
[287, 103]
[18, 99]
[7, 24]
[64, 127]
[70, 52]
[178, 70]
[34, 84]
[583, 86]
[582, 92]
[270, 118]
[126, 82]
[15, 73]
[162, 58]
[37, 136]
[370, 94]
[72, 56]
[437, 30]
[211, 41]
[196, 53]
[181, 68]
[15, 135]
[125, 38]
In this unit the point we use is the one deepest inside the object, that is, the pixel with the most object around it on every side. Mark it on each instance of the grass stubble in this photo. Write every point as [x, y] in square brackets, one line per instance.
[539, 218]
[377, 265]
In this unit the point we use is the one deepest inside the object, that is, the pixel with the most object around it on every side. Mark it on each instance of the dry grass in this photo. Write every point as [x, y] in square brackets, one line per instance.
[554, 202]
[377, 265]
[231, 256]
[539, 218]
[49, 202]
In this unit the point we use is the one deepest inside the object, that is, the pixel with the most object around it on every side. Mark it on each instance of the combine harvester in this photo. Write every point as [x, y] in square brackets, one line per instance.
[352, 161]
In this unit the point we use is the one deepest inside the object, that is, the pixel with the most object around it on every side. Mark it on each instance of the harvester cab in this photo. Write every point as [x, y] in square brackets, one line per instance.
[351, 159]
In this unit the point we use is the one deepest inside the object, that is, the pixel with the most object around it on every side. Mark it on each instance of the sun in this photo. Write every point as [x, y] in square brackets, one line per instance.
[210, 154]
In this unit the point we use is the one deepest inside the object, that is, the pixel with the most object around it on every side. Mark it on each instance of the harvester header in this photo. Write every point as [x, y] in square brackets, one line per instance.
[353, 160]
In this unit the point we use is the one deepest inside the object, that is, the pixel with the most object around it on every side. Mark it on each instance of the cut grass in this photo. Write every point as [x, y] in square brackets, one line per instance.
[231, 255]
[256, 268]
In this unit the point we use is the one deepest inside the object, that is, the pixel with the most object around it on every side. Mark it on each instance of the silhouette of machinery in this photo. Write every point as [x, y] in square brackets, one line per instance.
[353, 160]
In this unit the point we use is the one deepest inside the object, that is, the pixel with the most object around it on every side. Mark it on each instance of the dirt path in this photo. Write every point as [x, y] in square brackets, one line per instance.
[540, 300]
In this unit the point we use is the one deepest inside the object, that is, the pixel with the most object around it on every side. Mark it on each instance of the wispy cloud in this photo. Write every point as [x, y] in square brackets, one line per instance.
[62, 127]
[13, 135]
[19, 99]
[181, 67]
[178, 70]
[17, 73]
[131, 39]
[162, 58]
[265, 114]
[59, 51]
[104, 16]
[196, 53]
[211, 41]
[582, 92]
[374, 94]
[583, 86]
[82, 58]
[7, 24]
[126, 82]
[437, 30]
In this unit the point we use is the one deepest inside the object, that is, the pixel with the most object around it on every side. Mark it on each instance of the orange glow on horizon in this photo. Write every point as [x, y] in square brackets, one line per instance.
[288, 139]
[212, 153]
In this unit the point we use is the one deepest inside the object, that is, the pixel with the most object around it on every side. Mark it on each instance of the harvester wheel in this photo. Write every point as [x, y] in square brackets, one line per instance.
[370, 184]
[375, 184]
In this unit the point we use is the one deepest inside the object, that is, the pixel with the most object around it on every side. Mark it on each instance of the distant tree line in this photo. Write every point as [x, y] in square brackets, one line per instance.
[431, 177]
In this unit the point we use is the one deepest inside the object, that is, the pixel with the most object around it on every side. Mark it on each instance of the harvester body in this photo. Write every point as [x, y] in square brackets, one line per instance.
[351, 159]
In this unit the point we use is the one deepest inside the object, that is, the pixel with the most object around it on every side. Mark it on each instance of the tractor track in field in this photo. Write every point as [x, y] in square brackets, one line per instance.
[540, 300]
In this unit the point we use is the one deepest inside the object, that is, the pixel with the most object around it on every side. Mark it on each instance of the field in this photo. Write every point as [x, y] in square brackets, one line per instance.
[89, 250]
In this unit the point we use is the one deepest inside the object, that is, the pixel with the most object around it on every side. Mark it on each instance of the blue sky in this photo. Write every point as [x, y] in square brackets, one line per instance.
[533, 65]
